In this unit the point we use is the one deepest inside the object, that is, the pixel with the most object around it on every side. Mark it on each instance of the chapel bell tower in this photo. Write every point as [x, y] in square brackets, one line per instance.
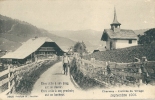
[115, 25]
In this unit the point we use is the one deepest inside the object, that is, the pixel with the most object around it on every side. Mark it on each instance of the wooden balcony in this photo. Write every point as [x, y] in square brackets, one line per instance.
[47, 49]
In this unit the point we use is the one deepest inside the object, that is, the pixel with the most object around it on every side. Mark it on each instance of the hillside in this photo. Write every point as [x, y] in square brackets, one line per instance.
[140, 32]
[14, 32]
[91, 38]
[125, 54]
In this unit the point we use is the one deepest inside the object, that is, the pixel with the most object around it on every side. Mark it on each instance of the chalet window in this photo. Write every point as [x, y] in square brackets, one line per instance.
[130, 41]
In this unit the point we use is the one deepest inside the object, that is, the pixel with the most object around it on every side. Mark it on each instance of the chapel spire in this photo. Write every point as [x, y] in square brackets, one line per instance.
[115, 17]
[115, 25]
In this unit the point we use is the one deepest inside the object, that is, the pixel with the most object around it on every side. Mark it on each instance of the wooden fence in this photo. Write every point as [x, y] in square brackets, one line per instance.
[12, 73]
[117, 73]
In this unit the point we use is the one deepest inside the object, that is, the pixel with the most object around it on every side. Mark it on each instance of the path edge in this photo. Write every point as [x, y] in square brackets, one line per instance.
[75, 84]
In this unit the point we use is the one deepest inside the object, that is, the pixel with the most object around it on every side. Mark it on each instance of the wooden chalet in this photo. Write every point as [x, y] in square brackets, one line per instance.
[33, 50]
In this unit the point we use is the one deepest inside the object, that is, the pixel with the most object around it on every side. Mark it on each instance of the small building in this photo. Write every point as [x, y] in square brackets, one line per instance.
[118, 38]
[96, 50]
[76, 54]
[100, 48]
[33, 50]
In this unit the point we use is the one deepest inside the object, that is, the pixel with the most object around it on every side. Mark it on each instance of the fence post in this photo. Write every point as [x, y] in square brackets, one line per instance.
[106, 64]
[92, 60]
[122, 79]
[140, 72]
[93, 69]
[140, 81]
[88, 67]
[9, 77]
[83, 63]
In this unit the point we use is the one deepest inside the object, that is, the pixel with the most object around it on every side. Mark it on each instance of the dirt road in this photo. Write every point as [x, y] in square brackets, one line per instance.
[54, 84]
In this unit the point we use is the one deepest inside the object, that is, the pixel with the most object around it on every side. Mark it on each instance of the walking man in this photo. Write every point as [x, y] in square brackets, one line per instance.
[65, 62]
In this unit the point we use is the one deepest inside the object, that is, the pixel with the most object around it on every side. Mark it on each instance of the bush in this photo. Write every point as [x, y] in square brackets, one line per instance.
[28, 79]
[84, 82]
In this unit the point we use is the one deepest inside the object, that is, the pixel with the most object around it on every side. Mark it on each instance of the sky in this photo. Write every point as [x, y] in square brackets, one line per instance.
[81, 14]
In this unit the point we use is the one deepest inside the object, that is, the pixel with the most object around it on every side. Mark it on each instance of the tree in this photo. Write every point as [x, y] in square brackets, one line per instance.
[148, 37]
[80, 47]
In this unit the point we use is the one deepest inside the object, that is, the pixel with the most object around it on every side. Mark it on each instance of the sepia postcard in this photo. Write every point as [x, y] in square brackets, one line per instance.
[77, 49]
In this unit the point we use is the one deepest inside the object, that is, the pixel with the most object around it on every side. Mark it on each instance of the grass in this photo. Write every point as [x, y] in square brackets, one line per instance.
[125, 54]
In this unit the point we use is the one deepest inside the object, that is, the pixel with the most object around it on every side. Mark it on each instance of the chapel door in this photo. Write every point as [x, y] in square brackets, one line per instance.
[110, 45]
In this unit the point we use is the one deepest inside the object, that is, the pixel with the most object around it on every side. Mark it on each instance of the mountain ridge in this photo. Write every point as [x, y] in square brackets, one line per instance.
[14, 32]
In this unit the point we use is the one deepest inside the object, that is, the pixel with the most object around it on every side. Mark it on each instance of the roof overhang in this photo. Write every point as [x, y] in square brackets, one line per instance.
[115, 24]
[104, 36]
[124, 38]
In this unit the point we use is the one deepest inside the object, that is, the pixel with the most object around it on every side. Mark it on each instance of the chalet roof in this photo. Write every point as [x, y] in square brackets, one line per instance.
[122, 34]
[27, 48]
